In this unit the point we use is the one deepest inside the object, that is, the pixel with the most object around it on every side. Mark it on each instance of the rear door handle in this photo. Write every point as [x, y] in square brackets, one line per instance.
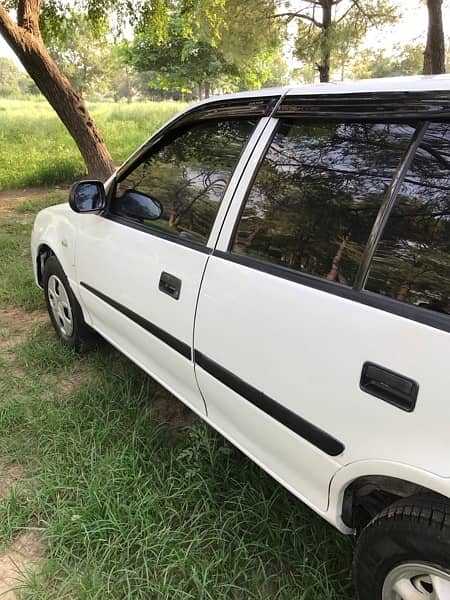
[389, 386]
[170, 285]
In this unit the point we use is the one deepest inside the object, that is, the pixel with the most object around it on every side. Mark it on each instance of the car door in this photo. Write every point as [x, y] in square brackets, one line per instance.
[295, 327]
[139, 278]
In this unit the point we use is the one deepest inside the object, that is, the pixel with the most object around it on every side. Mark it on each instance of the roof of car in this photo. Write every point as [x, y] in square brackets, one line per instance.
[419, 83]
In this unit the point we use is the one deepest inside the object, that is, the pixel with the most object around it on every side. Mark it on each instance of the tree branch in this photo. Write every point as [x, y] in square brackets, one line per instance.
[347, 12]
[299, 15]
[371, 17]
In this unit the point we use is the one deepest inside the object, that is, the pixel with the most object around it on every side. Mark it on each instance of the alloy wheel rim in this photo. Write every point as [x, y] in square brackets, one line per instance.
[416, 581]
[60, 305]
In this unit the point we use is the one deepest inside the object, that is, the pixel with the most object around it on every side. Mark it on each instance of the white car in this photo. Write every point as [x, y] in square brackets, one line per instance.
[280, 261]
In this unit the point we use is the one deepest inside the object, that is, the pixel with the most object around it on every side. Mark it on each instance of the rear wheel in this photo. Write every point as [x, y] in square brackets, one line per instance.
[63, 308]
[416, 581]
[404, 552]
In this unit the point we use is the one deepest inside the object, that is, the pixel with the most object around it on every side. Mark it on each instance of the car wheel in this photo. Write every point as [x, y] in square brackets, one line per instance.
[63, 308]
[404, 552]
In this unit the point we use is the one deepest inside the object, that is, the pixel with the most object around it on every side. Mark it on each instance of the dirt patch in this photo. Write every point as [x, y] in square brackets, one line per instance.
[170, 411]
[9, 200]
[81, 375]
[9, 474]
[23, 557]
[72, 381]
[32, 193]
[27, 551]
[16, 324]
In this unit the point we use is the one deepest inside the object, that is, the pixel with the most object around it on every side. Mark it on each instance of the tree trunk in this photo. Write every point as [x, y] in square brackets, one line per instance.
[128, 86]
[334, 272]
[434, 56]
[325, 47]
[402, 292]
[26, 41]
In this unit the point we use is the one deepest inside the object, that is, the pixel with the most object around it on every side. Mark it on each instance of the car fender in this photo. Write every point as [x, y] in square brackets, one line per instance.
[55, 228]
[349, 473]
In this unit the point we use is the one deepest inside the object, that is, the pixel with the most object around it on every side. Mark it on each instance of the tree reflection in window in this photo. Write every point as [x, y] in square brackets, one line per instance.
[412, 261]
[317, 193]
[189, 175]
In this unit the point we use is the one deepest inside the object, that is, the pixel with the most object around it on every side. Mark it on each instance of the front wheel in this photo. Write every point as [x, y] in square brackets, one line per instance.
[63, 308]
[404, 552]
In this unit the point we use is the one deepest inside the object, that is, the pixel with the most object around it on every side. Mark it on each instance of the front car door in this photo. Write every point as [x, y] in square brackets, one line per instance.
[138, 278]
[309, 304]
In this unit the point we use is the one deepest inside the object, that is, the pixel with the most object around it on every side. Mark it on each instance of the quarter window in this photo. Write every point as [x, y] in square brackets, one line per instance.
[316, 195]
[188, 176]
[412, 261]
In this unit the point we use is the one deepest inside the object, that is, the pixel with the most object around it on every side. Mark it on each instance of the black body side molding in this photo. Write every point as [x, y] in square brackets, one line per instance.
[161, 334]
[280, 413]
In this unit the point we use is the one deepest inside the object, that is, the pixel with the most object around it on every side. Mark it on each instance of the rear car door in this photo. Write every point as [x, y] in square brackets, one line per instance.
[139, 278]
[298, 323]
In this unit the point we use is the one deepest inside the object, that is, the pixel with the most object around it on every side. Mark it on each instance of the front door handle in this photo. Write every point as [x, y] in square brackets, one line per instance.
[391, 387]
[170, 285]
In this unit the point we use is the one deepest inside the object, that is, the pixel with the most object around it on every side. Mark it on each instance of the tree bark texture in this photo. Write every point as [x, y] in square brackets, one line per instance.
[25, 40]
[434, 56]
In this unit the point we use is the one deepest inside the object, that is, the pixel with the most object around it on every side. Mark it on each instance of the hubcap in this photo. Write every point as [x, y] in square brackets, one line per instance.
[416, 581]
[60, 305]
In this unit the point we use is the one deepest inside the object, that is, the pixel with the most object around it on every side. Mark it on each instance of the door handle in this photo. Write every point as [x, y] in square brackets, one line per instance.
[170, 285]
[391, 387]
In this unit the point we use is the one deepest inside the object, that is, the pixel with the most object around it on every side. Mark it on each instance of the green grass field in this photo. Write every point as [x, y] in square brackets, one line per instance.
[133, 497]
[35, 148]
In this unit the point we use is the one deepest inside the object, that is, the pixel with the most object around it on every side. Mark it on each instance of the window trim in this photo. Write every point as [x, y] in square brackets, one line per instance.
[418, 105]
[159, 233]
[387, 205]
[254, 173]
[256, 107]
[421, 315]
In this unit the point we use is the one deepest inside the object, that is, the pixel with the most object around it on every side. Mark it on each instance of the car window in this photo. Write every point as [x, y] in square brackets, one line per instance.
[412, 261]
[316, 195]
[189, 175]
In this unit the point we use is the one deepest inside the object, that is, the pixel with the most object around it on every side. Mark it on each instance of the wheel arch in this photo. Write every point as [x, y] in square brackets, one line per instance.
[360, 490]
[43, 252]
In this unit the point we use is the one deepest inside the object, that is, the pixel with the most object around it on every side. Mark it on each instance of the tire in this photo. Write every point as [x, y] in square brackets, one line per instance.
[404, 552]
[64, 310]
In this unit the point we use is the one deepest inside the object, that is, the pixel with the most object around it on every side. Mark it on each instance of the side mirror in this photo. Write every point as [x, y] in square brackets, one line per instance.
[87, 197]
[140, 206]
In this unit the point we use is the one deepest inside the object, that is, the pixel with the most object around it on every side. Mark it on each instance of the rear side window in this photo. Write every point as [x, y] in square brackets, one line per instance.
[189, 174]
[412, 261]
[317, 193]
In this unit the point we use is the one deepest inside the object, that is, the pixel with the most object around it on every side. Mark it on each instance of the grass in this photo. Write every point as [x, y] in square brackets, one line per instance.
[131, 506]
[36, 150]
[16, 278]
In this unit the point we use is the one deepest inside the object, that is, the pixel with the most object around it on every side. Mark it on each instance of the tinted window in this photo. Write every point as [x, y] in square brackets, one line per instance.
[317, 193]
[189, 175]
[412, 262]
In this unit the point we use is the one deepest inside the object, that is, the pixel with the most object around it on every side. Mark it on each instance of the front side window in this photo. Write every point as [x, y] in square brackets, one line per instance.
[317, 193]
[188, 176]
[412, 261]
